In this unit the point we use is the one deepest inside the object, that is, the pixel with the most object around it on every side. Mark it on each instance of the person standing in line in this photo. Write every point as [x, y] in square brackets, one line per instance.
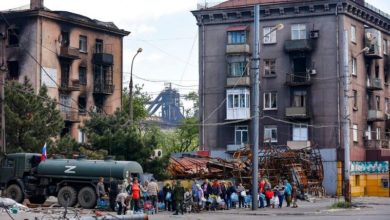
[100, 191]
[241, 195]
[268, 196]
[135, 192]
[152, 191]
[287, 192]
[280, 194]
[294, 195]
[167, 194]
[112, 193]
[178, 197]
[230, 190]
[224, 193]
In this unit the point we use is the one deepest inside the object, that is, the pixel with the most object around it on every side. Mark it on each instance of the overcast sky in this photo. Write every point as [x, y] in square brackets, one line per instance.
[165, 29]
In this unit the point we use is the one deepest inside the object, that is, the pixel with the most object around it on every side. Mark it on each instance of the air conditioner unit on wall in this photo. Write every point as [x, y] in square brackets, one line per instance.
[314, 34]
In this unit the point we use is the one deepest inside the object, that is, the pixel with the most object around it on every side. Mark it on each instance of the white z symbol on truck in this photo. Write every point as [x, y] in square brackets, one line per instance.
[70, 169]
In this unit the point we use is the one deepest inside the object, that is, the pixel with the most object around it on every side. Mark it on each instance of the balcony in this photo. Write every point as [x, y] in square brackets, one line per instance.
[298, 79]
[238, 81]
[69, 53]
[70, 116]
[303, 45]
[298, 145]
[237, 113]
[234, 147]
[375, 115]
[103, 58]
[237, 48]
[105, 89]
[374, 84]
[376, 144]
[297, 112]
[372, 40]
[69, 86]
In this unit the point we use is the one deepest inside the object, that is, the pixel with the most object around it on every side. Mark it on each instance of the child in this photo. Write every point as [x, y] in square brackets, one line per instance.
[261, 199]
[268, 196]
[188, 200]
[275, 199]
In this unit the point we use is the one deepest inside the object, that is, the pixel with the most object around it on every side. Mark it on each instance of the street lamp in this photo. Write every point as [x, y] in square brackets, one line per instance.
[131, 87]
[256, 103]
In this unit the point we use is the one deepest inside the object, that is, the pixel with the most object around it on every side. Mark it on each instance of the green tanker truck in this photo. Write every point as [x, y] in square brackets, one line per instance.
[72, 181]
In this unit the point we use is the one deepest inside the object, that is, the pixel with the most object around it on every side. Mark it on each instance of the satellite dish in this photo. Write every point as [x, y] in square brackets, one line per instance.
[369, 36]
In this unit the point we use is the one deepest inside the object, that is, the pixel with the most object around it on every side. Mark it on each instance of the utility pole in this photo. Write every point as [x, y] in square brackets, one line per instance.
[345, 118]
[2, 97]
[255, 106]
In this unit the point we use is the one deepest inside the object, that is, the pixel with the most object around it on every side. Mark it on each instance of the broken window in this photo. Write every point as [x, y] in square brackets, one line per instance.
[83, 75]
[82, 104]
[65, 39]
[83, 43]
[65, 71]
[13, 70]
[99, 46]
[13, 37]
[269, 67]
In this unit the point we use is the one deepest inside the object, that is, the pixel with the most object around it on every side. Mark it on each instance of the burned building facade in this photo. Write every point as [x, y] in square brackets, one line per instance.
[300, 79]
[78, 59]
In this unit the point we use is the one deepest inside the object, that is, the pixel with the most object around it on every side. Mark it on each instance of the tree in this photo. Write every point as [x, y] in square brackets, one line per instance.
[194, 98]
[140, 99]
[31, 120]
[186, 138]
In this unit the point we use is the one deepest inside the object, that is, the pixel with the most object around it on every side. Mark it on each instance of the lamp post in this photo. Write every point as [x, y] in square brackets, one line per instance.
[131, 87]
[255, 112]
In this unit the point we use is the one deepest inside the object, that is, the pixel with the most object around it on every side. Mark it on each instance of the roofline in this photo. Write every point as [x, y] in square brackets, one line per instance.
[54, 16]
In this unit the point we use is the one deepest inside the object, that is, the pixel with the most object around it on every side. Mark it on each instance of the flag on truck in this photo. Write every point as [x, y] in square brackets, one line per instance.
[43, 156]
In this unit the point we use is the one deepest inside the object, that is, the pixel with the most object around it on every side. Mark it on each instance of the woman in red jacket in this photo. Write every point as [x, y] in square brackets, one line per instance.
[135, 194]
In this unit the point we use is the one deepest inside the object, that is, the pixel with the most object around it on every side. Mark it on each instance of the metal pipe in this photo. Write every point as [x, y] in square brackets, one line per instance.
[255, 106]
[345, 119]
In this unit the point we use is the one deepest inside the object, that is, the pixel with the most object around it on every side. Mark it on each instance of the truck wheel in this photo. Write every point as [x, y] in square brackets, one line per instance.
[87, 198]
[67, 196]
[15, 192]
[37, 199]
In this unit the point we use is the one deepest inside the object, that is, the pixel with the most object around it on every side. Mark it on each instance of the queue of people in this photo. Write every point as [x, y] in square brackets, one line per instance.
[203, 195]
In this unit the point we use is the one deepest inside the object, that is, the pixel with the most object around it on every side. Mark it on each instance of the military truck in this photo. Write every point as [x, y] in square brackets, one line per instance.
[72, 181]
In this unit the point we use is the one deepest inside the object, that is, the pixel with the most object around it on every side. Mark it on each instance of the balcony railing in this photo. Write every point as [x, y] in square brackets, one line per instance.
[238, 81]
[375, 115]
[298, 79]
[71, 116]
[302, 45]
[298, 145]
[237, 48]
[69, 86]
[69, 52]
[235, 147]
[237, 113]
[297, 112]
[374, 84]
[103, 58]
[376, 144]
[106, 89]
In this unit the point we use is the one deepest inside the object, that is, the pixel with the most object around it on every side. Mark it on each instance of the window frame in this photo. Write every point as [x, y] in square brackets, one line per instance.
[268, 106]
[354, 66]
[300, 29]
[234, 99]
[353, 33]
[355, 99]
[378, 133]
[82, 82]
[237, 37]
[355, 135]
[241, 129]
[301, 128]
[232, 67]
[269, 38]
[385, 47]
[271, 67]
[83, 44]
[270, 129]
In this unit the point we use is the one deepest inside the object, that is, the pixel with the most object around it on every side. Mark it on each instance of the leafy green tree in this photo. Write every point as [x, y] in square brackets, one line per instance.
[194, 110]
[186, 136]
[140, 99]
[31, 120]
[66, 146]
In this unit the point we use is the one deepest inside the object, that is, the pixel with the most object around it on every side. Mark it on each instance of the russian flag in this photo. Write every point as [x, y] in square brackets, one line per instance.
[43, 156]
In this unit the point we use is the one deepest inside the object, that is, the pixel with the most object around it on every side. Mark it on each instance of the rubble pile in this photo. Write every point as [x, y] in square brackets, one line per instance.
[303, 166]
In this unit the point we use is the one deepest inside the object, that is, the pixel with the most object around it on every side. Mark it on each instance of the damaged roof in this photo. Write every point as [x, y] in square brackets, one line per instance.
[67, 16]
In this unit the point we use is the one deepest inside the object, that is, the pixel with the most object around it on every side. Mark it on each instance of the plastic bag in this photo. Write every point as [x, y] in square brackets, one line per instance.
[168, 197]
[219, 200]
[243, 193]
[234, 197]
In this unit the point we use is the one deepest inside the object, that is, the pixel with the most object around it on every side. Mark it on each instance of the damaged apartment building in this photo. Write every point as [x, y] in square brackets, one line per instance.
[300, 83]
[79, 59]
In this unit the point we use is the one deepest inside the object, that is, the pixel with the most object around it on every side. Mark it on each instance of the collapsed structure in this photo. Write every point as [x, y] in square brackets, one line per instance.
[302, 166]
